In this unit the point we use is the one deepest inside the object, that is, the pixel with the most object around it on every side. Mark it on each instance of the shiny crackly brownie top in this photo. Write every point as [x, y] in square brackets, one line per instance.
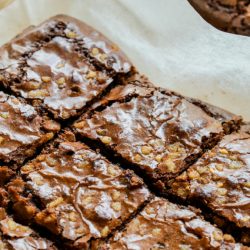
[84, 196]
[221, 179]
[22, 129]
[229, 15]
[164, 225]
[157, 130]
[63, 64]
[19, 237]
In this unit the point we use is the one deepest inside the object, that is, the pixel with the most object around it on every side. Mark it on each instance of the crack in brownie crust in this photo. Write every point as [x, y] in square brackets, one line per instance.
[228, 15]
[80, 194]
[158, 131]
[221, 180]
[22, 129]
[62, 64]
[164, 225]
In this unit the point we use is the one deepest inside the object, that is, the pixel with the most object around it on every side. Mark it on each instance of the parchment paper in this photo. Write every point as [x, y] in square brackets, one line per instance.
[166, 39]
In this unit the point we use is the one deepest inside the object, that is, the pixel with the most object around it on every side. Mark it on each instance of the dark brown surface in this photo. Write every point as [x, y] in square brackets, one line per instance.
[228, 15]
[22, 129]
[158, 131]
[14, 236]
[164, 225]
[63, 64]
[80, 194]
[221, 180]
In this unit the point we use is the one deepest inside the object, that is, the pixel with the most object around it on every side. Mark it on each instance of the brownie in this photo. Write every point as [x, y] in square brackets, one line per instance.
[220, 180]
[63, 65]
[228, 15]
[164, 225]
[22, 129]
[14, 236]
[76, 193]
[157, 131]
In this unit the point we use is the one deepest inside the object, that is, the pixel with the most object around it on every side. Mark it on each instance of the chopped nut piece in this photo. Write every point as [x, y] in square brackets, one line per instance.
[156, 231]
[79, 125]
[46, 79]
[103, 57]
[137, 158]
[51, 161]
[49, 136]
[4, 115]
[100, 131]
[38, 93]
[12, 225]
[1, 140]
[60, 81]
[55, 203]
[80, 230]
[115, 195]
[158, 158]
[222, 191]
[193, 174]
[39, 181]
[87, 200]
[228, 237]
[60, 65]
[71, 35]
[91, 74]
[106, 139]
[51, 125]
[170, 165]
[41, 157]
[219, 167]
[73, 216]
[223, 151]
[246, 184]
[105, 231]
[235, 165]
[218, 235]
[33, 85]
[149, 210]
[112, 171]
[95, 51]
[146, 150]
[28, 168]
[116, 206]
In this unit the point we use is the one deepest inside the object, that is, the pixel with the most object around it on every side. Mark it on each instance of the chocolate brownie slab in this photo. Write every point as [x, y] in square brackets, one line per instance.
[221, 181]
[158, 131]
[76, 193]
[22, 129]
[63, 64]
[14, 236]
[164, 225]
[228, 15]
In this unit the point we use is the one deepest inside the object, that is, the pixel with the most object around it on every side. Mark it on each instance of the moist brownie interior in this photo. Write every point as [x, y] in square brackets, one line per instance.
[76, 118]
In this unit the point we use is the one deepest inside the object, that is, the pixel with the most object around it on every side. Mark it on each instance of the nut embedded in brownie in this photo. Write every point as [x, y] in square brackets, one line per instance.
[76, 193]
[164, 225]
[16, 236]
[63, 65]
[157, 131]
[221, 181]
[22, 130]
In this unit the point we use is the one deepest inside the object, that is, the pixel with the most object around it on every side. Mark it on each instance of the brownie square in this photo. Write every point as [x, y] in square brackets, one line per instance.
[63, 65]
[221, 181]
[76, 193]
[164, 225]
[16, 236]
[22, 129]
[157, 131]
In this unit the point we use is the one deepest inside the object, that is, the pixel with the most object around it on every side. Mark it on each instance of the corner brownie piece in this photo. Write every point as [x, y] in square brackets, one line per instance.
[221, 181]
[14, 236]
[22, 129]
[76, 193]
[63, 64]
[164, 225]
[155, 130]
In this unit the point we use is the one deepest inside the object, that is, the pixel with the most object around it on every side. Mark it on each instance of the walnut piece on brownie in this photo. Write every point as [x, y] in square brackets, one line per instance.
[220, 180]
[158, 131]
[16, 236]
[81, 195]
[164, 225]
[22, 129]
[62, 64]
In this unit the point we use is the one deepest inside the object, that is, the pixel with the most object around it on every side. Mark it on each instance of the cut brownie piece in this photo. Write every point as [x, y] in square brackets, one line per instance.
[62, 64]
[158, 131]
[22, 129]
[228, 15]
[164, 225]
[14, 236]
[221, 181]
[76, 193]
